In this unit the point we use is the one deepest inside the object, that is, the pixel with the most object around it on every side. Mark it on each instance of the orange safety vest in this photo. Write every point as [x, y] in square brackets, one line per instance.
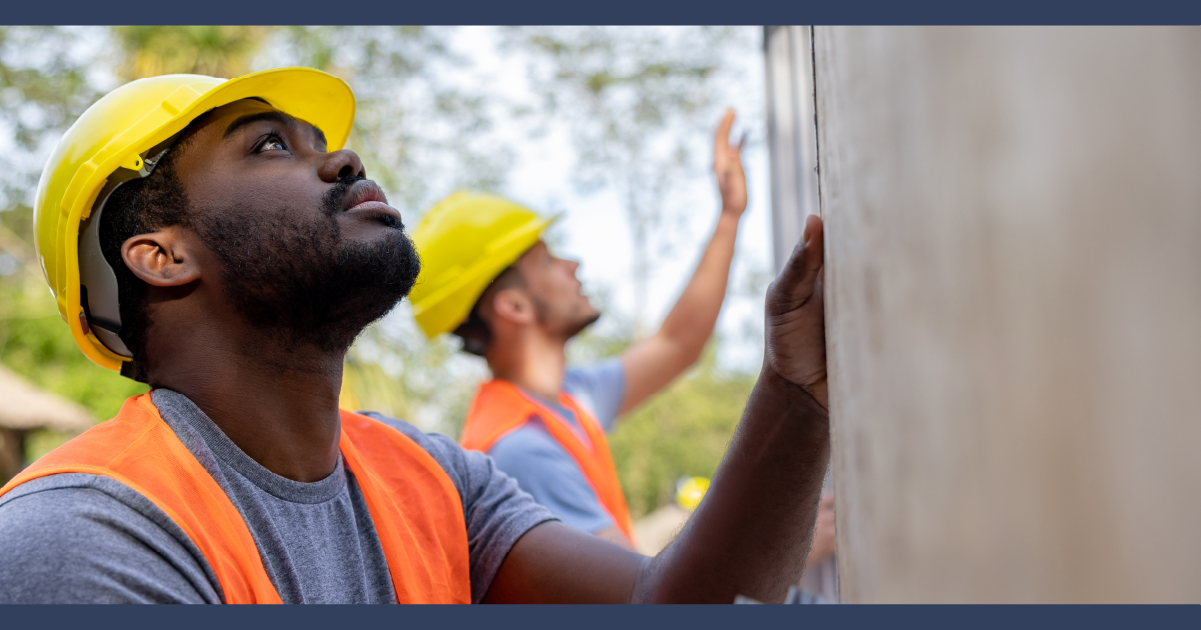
[500, 408]
[415, 507]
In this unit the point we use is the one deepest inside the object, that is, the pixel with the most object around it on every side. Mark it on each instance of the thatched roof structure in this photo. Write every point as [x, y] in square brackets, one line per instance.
[25, 407]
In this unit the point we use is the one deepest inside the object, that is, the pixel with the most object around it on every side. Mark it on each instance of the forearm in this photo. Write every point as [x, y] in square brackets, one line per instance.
[653, 362]
[750, 536]
[691, 320]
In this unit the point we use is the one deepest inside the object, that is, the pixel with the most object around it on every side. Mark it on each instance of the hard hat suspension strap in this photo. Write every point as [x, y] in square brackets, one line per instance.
[98, 294]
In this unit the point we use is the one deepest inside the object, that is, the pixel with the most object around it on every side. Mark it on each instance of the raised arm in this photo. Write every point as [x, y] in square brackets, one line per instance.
[751, 534]
[655, 361]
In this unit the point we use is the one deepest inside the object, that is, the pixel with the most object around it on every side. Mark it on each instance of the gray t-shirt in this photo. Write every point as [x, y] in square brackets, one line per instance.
[88, 538]
[541, 466]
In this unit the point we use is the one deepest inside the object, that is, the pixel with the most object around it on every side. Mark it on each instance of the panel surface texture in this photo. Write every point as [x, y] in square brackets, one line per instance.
[1014, 311]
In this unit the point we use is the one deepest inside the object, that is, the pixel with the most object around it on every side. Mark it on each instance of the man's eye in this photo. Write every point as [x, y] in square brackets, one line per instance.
[272, 144]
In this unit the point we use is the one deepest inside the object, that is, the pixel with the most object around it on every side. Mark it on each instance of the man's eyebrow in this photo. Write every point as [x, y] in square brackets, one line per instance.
[271, 116]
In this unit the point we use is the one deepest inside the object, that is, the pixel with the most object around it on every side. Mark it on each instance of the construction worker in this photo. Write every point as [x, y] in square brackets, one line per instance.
[490, 279]
[215, 240]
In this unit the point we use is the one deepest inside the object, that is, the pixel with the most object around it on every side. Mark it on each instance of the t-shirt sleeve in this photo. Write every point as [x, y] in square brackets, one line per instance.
[497, 511]
[77, 538]
[601, 387]
[543, 469]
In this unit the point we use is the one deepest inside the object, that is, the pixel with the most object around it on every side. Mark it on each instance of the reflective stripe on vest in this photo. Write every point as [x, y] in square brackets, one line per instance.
[415, 507]
[500, 408]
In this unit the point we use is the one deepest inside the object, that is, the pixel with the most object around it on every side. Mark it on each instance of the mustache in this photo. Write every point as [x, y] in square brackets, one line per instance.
[331, 202]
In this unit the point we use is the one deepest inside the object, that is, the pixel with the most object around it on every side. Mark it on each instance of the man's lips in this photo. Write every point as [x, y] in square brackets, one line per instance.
[365, 196]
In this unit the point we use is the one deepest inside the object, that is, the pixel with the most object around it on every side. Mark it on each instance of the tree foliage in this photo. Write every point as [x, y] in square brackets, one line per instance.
[220, 51]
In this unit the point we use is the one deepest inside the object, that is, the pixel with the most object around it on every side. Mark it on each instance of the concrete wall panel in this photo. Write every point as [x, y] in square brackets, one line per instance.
[1014, 295]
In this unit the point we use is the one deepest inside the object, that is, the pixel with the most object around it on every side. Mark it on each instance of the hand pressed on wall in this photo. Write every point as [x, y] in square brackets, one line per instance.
[795, 317]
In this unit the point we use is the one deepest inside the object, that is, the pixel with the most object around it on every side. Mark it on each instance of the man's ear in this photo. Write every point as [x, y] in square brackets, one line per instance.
[513, 305]
[164, 258]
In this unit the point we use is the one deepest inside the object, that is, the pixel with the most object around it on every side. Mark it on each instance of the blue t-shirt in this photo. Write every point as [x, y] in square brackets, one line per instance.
[546, 471]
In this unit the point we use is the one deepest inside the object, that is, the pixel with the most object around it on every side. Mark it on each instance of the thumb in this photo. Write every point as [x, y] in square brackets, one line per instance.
[795, 284]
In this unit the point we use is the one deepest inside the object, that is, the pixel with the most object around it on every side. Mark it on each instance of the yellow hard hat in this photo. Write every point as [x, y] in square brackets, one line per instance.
[690, 491]
[121, 137]
[465, 242]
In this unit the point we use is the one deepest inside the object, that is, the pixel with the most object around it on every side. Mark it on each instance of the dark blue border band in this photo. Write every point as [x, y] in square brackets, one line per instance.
[601, 617]
[608, 12]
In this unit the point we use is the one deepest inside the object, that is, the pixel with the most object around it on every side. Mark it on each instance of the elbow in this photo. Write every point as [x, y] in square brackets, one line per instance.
[687, 354]
[693, 346]
[693, 354]
[682, 349]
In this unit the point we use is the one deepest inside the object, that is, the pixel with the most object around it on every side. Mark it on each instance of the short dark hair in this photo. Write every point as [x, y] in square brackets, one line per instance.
[140, 206]
[474, 330]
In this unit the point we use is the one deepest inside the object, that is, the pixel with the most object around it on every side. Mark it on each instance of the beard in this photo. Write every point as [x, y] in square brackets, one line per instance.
[566, 325]
[300, 282]
[578, 324]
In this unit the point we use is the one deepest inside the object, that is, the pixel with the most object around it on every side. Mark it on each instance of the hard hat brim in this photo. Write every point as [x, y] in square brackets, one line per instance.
[313, 96]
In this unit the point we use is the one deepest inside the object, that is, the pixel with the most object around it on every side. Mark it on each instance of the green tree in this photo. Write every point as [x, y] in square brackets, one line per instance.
[219, 51]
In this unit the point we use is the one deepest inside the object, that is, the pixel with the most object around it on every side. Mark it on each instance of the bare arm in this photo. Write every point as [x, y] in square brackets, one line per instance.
[751, 534]
[652, 363]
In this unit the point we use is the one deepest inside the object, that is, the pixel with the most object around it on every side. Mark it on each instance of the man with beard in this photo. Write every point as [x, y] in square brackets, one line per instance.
[490, 279]
[213, 239]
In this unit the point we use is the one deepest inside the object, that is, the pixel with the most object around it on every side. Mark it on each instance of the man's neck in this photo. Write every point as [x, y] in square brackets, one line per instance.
[280, 406]
[532, 362]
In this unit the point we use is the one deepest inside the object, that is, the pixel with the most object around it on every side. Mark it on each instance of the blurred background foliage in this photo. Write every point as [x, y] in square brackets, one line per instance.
[634, 100]
[46, 81]
[628, 95]
[219, 51]
[683, 431]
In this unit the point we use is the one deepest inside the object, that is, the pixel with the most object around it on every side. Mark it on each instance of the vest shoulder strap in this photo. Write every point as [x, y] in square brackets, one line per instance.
[500, 408]
[416, 510]
[495, 412]
[139, 449]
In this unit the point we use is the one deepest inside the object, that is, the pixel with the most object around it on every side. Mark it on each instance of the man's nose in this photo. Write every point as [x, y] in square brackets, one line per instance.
[340, 165]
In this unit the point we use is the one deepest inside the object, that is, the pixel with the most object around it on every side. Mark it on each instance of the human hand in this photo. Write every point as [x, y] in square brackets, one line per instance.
[727, 165]
[823, 531]
[795, 317]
